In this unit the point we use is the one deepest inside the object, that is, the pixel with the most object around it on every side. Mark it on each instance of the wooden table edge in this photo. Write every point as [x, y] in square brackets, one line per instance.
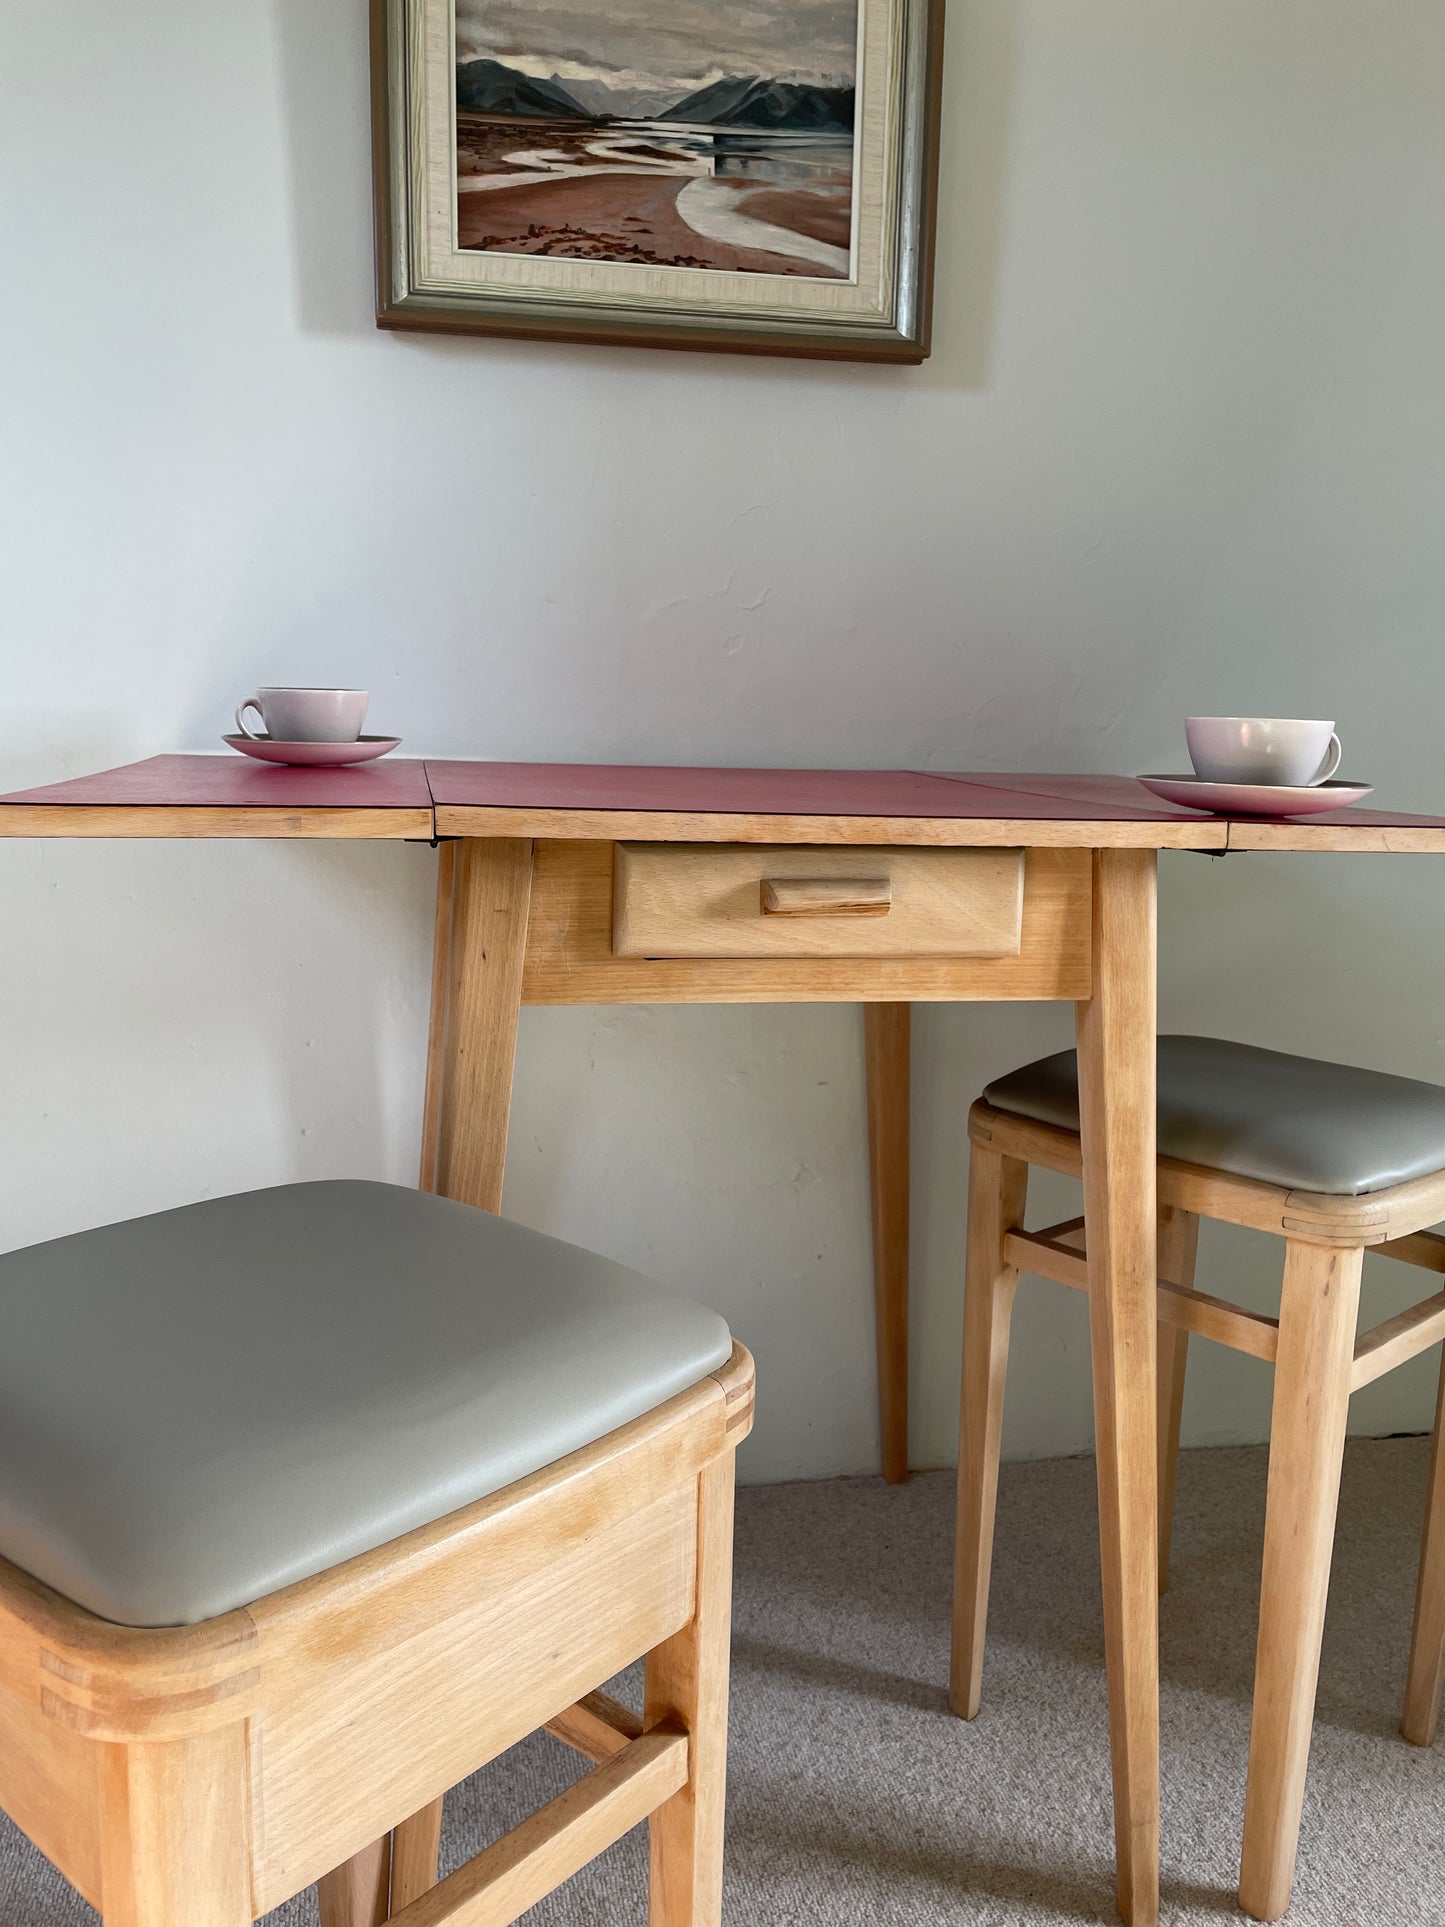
[410, 821]
[706, 826]
[1398, 839]
[199, 820]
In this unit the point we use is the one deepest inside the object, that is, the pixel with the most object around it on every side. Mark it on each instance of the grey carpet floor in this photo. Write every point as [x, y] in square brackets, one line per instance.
[857, 1801]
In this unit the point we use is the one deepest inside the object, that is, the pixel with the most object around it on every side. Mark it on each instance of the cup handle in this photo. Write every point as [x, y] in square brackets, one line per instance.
[252, 703]
[1331, 763]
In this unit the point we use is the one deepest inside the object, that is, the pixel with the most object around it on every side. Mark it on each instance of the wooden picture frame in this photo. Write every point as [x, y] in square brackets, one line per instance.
[622, 256]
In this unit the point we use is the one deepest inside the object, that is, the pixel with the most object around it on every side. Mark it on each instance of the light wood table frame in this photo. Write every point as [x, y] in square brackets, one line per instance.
[524, 915]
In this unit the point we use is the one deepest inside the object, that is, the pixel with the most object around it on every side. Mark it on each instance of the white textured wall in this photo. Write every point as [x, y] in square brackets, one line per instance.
[1181, 448]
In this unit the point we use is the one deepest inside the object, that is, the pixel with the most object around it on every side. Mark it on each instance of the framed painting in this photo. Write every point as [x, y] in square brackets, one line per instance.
[679, 173]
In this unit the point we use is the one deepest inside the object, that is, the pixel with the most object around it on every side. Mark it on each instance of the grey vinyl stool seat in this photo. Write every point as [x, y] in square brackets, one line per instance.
[1297, 1122]
[202, 1406]
[1334, 1161]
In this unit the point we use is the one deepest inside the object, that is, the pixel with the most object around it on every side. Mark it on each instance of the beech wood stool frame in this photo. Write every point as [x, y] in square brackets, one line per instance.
[200, 1776]
[1319, 1362]
[525, 914]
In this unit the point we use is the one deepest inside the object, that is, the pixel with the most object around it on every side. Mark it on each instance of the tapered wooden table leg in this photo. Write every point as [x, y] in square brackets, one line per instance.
[484, 894]
[997, 1193]
[1117, 1045]
[1427, 1639]
[886, 1041]
[484, 897]
[1178, 1250]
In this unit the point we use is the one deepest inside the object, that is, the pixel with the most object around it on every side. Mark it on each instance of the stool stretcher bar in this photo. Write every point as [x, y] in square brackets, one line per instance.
[1058, 1254]
[499, 1884]
[597, 1726]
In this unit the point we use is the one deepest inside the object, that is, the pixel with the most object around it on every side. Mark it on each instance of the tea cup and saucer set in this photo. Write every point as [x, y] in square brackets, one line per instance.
[1260, 766]
[316, 727]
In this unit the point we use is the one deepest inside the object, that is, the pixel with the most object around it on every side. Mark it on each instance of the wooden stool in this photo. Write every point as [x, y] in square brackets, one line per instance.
[314, 1500]
[1336, 1161]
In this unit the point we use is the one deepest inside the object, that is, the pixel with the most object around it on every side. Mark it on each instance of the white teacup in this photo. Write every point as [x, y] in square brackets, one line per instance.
[1263, 749]
[307, 715]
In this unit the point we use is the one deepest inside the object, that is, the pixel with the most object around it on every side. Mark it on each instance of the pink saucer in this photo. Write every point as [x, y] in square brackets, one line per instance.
[1256, 799]
[365, 749]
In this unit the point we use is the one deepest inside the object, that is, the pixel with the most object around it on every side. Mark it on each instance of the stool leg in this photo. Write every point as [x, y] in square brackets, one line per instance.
[1307, 1441]
[1178, 1250]
[174, 1846]
[358, 1894]
[1427, 1641]
[997, 1193]
[415, 1846]
[687, 1680]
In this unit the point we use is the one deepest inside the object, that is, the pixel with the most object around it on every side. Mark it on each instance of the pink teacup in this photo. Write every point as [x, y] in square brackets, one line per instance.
[307, 715]
[1263, 749]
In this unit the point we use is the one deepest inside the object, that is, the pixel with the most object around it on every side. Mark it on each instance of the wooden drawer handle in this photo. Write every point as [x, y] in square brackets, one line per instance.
[826, 896]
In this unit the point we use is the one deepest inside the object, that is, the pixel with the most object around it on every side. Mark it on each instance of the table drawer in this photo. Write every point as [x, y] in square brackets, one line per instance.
[799, 900]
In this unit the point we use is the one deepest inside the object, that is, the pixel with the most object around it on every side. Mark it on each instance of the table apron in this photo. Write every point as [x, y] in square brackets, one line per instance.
[569, 956]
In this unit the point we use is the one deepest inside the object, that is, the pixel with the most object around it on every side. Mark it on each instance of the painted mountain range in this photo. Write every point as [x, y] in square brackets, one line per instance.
[747, 100]
[487, 87]
[616, 101]
[742, 100]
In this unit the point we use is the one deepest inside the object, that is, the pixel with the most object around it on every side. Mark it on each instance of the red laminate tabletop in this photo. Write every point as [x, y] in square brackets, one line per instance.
[583, 799]
[227, 796]
[769, 792]
[1096, 796]
[192, 782]
[231, 796]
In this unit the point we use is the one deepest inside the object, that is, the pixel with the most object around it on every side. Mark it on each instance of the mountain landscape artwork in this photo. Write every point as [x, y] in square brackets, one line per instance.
[697, 134]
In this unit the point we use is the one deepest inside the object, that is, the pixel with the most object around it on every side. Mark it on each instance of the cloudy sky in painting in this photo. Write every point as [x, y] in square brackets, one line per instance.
[674, 45]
